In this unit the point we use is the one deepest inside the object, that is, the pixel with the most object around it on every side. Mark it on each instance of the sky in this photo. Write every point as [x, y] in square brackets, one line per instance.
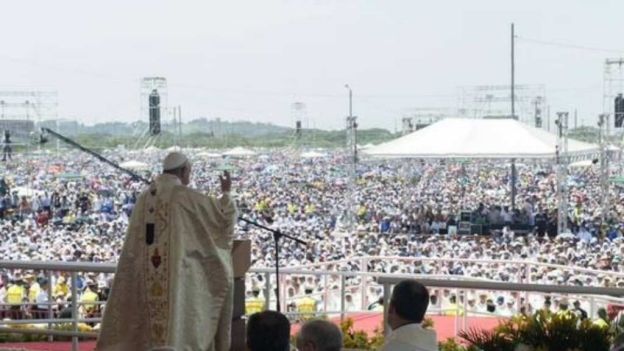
[251, 60]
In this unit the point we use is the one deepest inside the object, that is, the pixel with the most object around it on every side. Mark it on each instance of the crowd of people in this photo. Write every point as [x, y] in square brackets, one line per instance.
[67, 206]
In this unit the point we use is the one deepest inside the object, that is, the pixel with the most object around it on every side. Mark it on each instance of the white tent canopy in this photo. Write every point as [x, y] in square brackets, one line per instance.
[135, 165]
[479, 138]
[312, 154]
[206, 154]
[151, 149]
[239, 151]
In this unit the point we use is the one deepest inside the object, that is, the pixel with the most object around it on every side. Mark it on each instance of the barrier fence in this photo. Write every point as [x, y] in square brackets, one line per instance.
[336, 285]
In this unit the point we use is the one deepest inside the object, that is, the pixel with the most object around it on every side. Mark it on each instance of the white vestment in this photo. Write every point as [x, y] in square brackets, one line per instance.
[173, 286]
[411, 337]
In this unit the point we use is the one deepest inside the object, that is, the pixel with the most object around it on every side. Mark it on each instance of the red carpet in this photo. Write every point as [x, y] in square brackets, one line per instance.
[444, 326]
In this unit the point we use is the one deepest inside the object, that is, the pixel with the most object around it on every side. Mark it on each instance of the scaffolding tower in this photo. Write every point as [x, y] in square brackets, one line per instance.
[418, 118]
[492, 101]
[149, 84]
[613, 84]
[21, 110]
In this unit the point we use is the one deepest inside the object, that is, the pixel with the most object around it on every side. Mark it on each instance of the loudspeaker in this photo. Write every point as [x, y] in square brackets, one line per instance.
[298, 128]
[154, 113]
[619, 111]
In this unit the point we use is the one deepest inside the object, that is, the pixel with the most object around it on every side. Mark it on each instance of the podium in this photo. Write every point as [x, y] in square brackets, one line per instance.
[241, 261]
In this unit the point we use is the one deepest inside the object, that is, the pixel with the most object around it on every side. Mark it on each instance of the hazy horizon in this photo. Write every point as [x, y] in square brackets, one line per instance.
[245, 60]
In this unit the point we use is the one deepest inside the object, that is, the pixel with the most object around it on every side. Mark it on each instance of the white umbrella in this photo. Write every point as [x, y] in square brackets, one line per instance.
[25, 191]
[206, 154]
[152, 149]
[239, 152]
[312, 154]
[581, 164]
[135, 165]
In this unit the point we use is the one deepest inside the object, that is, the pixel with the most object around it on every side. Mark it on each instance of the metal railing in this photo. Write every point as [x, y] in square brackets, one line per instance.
[383, 280]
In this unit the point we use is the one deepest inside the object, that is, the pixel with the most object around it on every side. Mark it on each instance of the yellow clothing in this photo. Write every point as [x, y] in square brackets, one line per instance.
[61, 289]
[33, 292]
[362, 211]
[254, 305]
[309, 209]
[15, 294]
[307, 306]
[599, 322]
[565, 314]
[89, 296]
[453, 310]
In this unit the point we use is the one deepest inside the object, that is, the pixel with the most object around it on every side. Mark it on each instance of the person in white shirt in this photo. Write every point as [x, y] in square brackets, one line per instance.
[406, 313]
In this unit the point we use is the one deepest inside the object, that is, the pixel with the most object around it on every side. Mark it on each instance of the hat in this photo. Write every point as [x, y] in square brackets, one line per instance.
[174, 160]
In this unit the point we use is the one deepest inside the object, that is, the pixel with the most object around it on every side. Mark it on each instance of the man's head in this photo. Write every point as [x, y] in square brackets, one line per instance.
[408, 304]
[268, 331]
[177, 164]
[319, 335]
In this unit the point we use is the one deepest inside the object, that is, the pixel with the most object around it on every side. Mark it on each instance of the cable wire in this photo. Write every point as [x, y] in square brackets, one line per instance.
[568, 46]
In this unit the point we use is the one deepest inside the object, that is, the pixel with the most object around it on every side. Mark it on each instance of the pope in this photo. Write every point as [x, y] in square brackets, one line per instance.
[173, 285]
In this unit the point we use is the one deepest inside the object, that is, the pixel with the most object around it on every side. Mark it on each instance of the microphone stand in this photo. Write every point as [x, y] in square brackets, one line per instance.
[277, 234]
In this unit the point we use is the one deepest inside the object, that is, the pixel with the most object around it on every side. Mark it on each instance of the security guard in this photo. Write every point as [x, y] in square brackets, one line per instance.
[453, 308]
[254, 304]
[16, 294]
[61, 289]
[602, 321]
[307, 306]
[89, 297]
[564, 312]
[34, 288]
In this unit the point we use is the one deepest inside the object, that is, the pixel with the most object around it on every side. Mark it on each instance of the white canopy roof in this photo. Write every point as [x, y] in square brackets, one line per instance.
[479, 138]
[239, 151]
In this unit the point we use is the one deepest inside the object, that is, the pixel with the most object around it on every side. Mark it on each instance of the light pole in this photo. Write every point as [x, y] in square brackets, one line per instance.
[351, 129]
[603, 123]
[562, 172]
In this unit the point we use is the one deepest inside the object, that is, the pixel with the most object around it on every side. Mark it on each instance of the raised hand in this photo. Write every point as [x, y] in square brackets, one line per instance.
[226, 182]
